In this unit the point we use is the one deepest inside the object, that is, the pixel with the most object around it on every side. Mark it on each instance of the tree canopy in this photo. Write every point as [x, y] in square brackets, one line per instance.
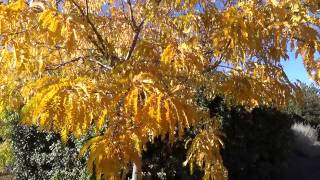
[131, 68]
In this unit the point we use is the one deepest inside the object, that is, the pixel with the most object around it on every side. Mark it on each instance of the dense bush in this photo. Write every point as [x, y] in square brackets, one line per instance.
[164, 161]
[257, 143]
[7, 121]
[311, 106]
[40, 155]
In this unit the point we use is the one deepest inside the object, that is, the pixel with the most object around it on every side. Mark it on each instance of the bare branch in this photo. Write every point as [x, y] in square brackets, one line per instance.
[60, 65]
[96, 32]
[135, 40]
[57, 66]
[136, 29]
[87, 8]
[217, 63]
[101, 64]
[231, 68]
[134, 24]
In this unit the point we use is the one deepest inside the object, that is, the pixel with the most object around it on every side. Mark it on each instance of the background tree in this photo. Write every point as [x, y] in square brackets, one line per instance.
[40, 155]
[27, 153]
[309, 110]
[132, 69]
[258, 144]
[311, 106]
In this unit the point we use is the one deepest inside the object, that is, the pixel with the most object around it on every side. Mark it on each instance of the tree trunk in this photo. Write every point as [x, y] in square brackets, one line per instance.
[136, 172]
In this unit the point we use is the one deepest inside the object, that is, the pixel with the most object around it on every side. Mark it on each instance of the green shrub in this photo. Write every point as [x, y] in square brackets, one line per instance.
[40, 155]
[6, 155]
[257, 143]
[164, 161]
[7, 121]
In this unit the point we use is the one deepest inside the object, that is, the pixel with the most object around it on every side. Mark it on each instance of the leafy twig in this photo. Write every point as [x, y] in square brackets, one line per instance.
[57, 66]
[60, 65]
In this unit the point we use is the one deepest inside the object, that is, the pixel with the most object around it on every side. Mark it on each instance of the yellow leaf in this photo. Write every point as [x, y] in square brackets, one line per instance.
[18, 5]
[168, 54]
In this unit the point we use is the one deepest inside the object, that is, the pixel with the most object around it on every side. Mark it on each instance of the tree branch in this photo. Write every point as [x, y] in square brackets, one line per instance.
[57, 66]
[217, 63]
[87, 8]
[19, 32]
[133, 21]
[101, 64]
[136, 28]
[96, 32]
[135, 40]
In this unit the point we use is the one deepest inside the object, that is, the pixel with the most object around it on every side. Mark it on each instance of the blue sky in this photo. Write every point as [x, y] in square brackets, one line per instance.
[295, 70]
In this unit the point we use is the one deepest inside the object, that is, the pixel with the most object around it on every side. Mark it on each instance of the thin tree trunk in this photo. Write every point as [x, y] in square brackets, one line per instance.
[136, 172]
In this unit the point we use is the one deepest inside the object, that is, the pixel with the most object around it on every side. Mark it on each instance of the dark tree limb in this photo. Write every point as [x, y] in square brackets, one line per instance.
[101, 46]
[135, 40]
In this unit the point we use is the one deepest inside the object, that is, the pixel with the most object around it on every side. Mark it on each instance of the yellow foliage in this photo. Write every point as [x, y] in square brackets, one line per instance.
[65, 105]
[17, 6]
[132, 71]
[204, 152]
[168, 54]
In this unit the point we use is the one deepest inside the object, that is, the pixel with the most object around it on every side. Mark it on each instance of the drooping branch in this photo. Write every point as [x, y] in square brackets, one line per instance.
[216, 64]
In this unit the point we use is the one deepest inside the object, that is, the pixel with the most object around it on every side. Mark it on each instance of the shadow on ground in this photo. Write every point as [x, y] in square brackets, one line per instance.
[303, 168]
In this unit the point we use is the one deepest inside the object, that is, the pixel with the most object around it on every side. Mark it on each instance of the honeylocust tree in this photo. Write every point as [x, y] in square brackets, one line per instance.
[132, 68]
